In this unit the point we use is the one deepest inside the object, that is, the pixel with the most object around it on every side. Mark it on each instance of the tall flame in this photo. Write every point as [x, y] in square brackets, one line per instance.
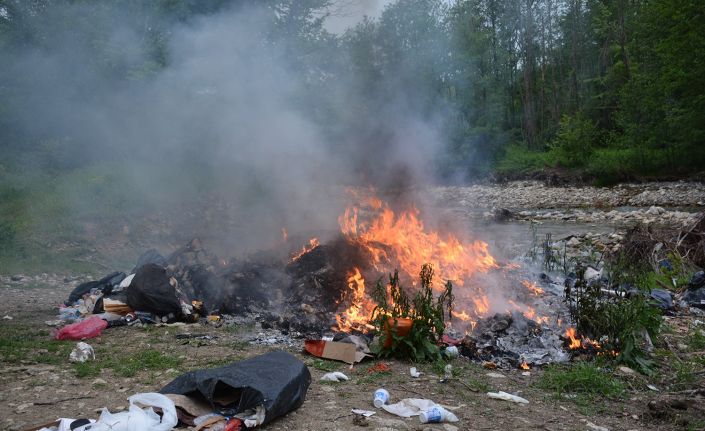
[401, 241]
[358, 314]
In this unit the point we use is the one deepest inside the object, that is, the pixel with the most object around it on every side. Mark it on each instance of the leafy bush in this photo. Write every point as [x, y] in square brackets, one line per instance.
[426, 313]
[575, 140]
[618, 322]
[520, 160]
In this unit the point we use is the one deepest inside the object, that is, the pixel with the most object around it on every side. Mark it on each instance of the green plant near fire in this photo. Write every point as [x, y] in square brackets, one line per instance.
[427, 315]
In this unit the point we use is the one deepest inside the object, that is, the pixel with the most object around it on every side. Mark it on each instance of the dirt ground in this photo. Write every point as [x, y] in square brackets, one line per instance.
[39, 384]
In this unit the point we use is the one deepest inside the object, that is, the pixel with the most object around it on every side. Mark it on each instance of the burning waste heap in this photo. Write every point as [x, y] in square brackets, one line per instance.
[497, 315]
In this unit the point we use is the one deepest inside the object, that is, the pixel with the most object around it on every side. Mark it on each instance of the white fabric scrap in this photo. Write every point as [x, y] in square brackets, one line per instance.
[334, 377]
[409, 407]
[365, 413]
[507, 397]
[414, 372]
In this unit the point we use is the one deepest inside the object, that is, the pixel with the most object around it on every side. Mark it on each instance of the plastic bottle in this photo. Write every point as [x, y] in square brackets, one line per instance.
[437, 414]
[381, 397]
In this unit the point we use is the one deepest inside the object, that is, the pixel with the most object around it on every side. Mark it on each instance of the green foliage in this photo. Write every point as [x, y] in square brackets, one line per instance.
[519, 160]
[426, 313]
[126, 364]
[584, 379]
[574, 142]
[617, 322]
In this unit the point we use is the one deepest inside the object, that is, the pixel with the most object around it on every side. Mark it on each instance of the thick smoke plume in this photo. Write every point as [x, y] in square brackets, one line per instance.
[240, 111]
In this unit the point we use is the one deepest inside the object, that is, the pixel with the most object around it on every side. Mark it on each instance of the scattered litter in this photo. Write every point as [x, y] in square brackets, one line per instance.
[82, 352]
[489, 365]
[380, 398]
[257, 390]
[88, 328]
[507, 397]
[437, 414]
[447, 373]
[334, 377]
[452, 352]
[591, 273]
[337, 350]
[64, 424]
[594, 427]
[409, 407]
[137, 418]
[414, 372]
[379, 367]
[526, 373]
[6, 317]
[496, 375]
[652, 387]
[361, 412]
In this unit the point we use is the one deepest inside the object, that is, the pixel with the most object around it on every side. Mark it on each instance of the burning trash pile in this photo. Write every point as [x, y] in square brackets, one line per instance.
[319, 288]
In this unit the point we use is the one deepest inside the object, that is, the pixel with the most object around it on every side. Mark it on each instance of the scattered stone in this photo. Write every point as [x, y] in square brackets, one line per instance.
[99, 381]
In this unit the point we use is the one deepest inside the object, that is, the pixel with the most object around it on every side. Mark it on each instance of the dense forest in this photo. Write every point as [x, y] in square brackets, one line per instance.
[614, 89]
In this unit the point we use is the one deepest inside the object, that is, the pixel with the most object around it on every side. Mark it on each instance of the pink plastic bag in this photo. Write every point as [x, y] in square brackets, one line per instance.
[89, 328]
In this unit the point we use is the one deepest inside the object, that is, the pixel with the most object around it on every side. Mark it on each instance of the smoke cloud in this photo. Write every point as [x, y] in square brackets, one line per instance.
[235, 113]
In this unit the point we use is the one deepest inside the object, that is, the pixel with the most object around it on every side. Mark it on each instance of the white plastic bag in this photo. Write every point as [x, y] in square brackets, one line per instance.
[334, 377]
[82, 353]
[136, 418]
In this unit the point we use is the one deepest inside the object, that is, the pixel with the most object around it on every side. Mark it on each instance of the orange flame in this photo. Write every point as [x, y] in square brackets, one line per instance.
[312, 243]
[583, 342]
[532, 287]
[360, 311]
[575, 343]
[524, 366]
[401, 240]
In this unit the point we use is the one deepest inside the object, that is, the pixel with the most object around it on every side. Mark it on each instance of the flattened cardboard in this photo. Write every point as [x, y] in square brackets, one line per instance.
[345, 352]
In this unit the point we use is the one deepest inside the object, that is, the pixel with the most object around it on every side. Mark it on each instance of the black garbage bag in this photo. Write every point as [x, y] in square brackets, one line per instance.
[150, 256]
[695, 298]
[697, 280]
[105, 285]
[276, 380]
[152, 291]
[662, 299]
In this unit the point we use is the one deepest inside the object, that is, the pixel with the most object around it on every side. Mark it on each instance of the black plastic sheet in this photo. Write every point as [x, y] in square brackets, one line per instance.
[152, 291]
[276, 380]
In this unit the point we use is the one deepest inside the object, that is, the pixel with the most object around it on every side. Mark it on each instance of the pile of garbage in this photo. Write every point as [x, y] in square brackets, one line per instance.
[244, 394]
[149, 295]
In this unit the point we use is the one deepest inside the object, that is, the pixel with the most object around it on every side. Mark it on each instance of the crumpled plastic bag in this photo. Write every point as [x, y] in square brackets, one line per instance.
[138, 418]
[82, 352]
[88, 328]
[409, 407]
[336, 376]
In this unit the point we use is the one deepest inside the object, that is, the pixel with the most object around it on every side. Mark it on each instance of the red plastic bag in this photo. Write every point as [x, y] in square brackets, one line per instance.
[89, 328]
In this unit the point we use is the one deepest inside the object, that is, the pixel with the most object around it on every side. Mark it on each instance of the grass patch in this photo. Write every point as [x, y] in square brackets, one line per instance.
[584, 383]
[126, 364]
[24, 344]
[324, 365]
